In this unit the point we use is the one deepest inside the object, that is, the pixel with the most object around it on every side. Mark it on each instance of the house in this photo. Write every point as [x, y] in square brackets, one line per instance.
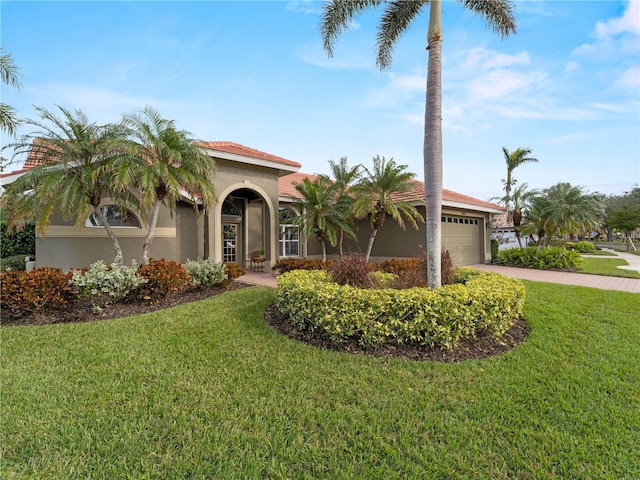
[253, 213]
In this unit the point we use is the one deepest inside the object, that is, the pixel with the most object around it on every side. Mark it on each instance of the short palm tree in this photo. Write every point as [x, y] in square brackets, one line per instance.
[9, 75]
[514, 160]
[377, 195]
[397, 16]
[73, 175]
[571, 210]
[164, 165]
[343, 177]
[517, 204]
[320, 212]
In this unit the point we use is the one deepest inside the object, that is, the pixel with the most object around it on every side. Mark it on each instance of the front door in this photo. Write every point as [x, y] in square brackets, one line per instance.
[230, 242]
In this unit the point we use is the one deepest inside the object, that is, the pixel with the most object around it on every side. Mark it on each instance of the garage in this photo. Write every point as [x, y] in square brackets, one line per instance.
[461, 237]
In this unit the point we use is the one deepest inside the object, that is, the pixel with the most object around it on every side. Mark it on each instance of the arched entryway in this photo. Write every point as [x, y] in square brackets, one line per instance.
[241, 222]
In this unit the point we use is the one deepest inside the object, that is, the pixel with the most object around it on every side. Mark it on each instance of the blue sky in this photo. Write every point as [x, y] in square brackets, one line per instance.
[567, 85]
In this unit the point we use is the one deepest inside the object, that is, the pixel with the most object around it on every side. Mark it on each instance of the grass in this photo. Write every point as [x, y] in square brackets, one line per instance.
[607, 266]
[209, 390]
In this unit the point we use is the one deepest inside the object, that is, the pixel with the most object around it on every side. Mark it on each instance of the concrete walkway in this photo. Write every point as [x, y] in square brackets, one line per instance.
[564, 278]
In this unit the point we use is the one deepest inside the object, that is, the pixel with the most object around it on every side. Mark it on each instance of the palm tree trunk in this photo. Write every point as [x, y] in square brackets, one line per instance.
[372, 238]
[433, 147]
[340, 238]
[112, 236]
[146, 248]
[324, 250]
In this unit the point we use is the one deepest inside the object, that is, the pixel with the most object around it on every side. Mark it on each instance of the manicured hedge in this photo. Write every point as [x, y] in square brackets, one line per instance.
[21, 243]
[541, 258]
[437, 317]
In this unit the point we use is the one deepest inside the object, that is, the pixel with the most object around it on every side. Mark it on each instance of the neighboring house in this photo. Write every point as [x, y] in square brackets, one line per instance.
[252, 213]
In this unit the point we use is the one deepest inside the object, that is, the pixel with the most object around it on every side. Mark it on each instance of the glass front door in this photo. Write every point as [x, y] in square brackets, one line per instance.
[230, 242]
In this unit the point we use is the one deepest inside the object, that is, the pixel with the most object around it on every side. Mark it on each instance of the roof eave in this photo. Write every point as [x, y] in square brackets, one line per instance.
[282, 168]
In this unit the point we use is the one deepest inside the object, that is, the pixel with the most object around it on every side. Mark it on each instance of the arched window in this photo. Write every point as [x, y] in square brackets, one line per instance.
[230, 209]
[287, 214]
[116, 217]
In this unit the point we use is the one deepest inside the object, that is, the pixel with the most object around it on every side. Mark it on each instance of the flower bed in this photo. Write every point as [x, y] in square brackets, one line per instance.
[480, 301]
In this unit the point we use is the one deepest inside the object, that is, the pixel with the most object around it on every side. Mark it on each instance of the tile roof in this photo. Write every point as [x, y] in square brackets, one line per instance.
[416, 194]
[237, 149]
[285, 184]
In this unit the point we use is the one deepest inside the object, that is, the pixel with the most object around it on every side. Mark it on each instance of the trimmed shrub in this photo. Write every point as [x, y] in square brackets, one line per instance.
[495, 249]
[106, 283]
[353, 270]
[541, 258]
[14, 262]
[37, 291]
[436, 317]
[412, 272]
[205, 273]
[285, 265]
[18, 243]
[400, 266]
[582, 246]
[162, 277]
[234, 271]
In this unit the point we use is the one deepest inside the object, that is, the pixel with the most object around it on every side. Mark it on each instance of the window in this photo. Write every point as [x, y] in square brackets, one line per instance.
[116, 217]
[228, 208]
[289, 241]
[289, 234]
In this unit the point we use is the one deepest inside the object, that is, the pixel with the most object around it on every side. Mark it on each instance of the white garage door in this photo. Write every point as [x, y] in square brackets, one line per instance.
[461, 236]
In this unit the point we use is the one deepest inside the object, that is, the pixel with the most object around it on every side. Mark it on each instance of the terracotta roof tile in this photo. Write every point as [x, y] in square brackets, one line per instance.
[237, 149]
[285, 184]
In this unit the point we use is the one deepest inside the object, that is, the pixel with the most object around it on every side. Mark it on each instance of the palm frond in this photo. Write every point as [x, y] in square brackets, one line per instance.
[337, 18]
[498, 14]
[394, 22]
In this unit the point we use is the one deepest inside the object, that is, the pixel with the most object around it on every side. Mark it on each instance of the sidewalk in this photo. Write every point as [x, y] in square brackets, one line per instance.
[595, 281]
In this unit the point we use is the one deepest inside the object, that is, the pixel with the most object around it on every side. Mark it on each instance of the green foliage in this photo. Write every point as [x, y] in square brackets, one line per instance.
[442, 316]
[495, 249]
[412, 272]
[353, 270]
[162, 277]
[34, 292]
[206, 273]
[14, 262]
[582, 246]
[285, 265]
[541, 258]
[18, 243]
[106, 283]
[234, 271]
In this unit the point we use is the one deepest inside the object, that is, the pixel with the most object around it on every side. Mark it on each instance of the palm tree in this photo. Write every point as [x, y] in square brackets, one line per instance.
[73, 175]
[377, 195]
[514, 160]
[320, 212]
[164, 165]
[343, 177]
[396, 18]
[517, 204]
[9, 75]
[571, 210]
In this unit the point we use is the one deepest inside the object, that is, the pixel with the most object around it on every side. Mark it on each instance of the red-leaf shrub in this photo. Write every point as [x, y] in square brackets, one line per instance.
[234, 271]
[34, 292]
[353, 270]
[288, 264]
[162, 278]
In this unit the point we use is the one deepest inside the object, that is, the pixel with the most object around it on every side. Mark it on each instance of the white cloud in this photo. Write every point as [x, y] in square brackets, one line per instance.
[304, 6]
[483, 59]
[571, 137]
[630, 78]
[571, 66]
[628, 23]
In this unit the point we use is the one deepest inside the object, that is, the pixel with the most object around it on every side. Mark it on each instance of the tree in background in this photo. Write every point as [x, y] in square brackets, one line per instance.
[343, 177]
[396, 18]
[74, 175]
[163, 164]
[623, 212]
[514, 160]
[320, 213]
[377, 194]
[10, 75]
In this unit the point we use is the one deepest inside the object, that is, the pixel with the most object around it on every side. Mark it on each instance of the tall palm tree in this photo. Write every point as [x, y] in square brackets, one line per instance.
[377, 195]
[9, 75]
[164, 165]
[517, 204]
[320, 213]
[514, 160]
[73, 175]
[343, 177]
[397, 16]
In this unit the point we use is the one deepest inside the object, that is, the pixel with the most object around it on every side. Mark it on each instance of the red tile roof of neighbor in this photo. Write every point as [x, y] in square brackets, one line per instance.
[237, 149]
[416, 194]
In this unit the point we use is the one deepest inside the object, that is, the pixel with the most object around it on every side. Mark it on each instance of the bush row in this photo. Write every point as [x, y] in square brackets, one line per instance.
[44, 289]
[582, 246]
[20, 243]
[541, 258]
[441, 317]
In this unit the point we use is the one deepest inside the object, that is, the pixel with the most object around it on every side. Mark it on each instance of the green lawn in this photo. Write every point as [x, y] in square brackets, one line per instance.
[208, 390]
[607, 266]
